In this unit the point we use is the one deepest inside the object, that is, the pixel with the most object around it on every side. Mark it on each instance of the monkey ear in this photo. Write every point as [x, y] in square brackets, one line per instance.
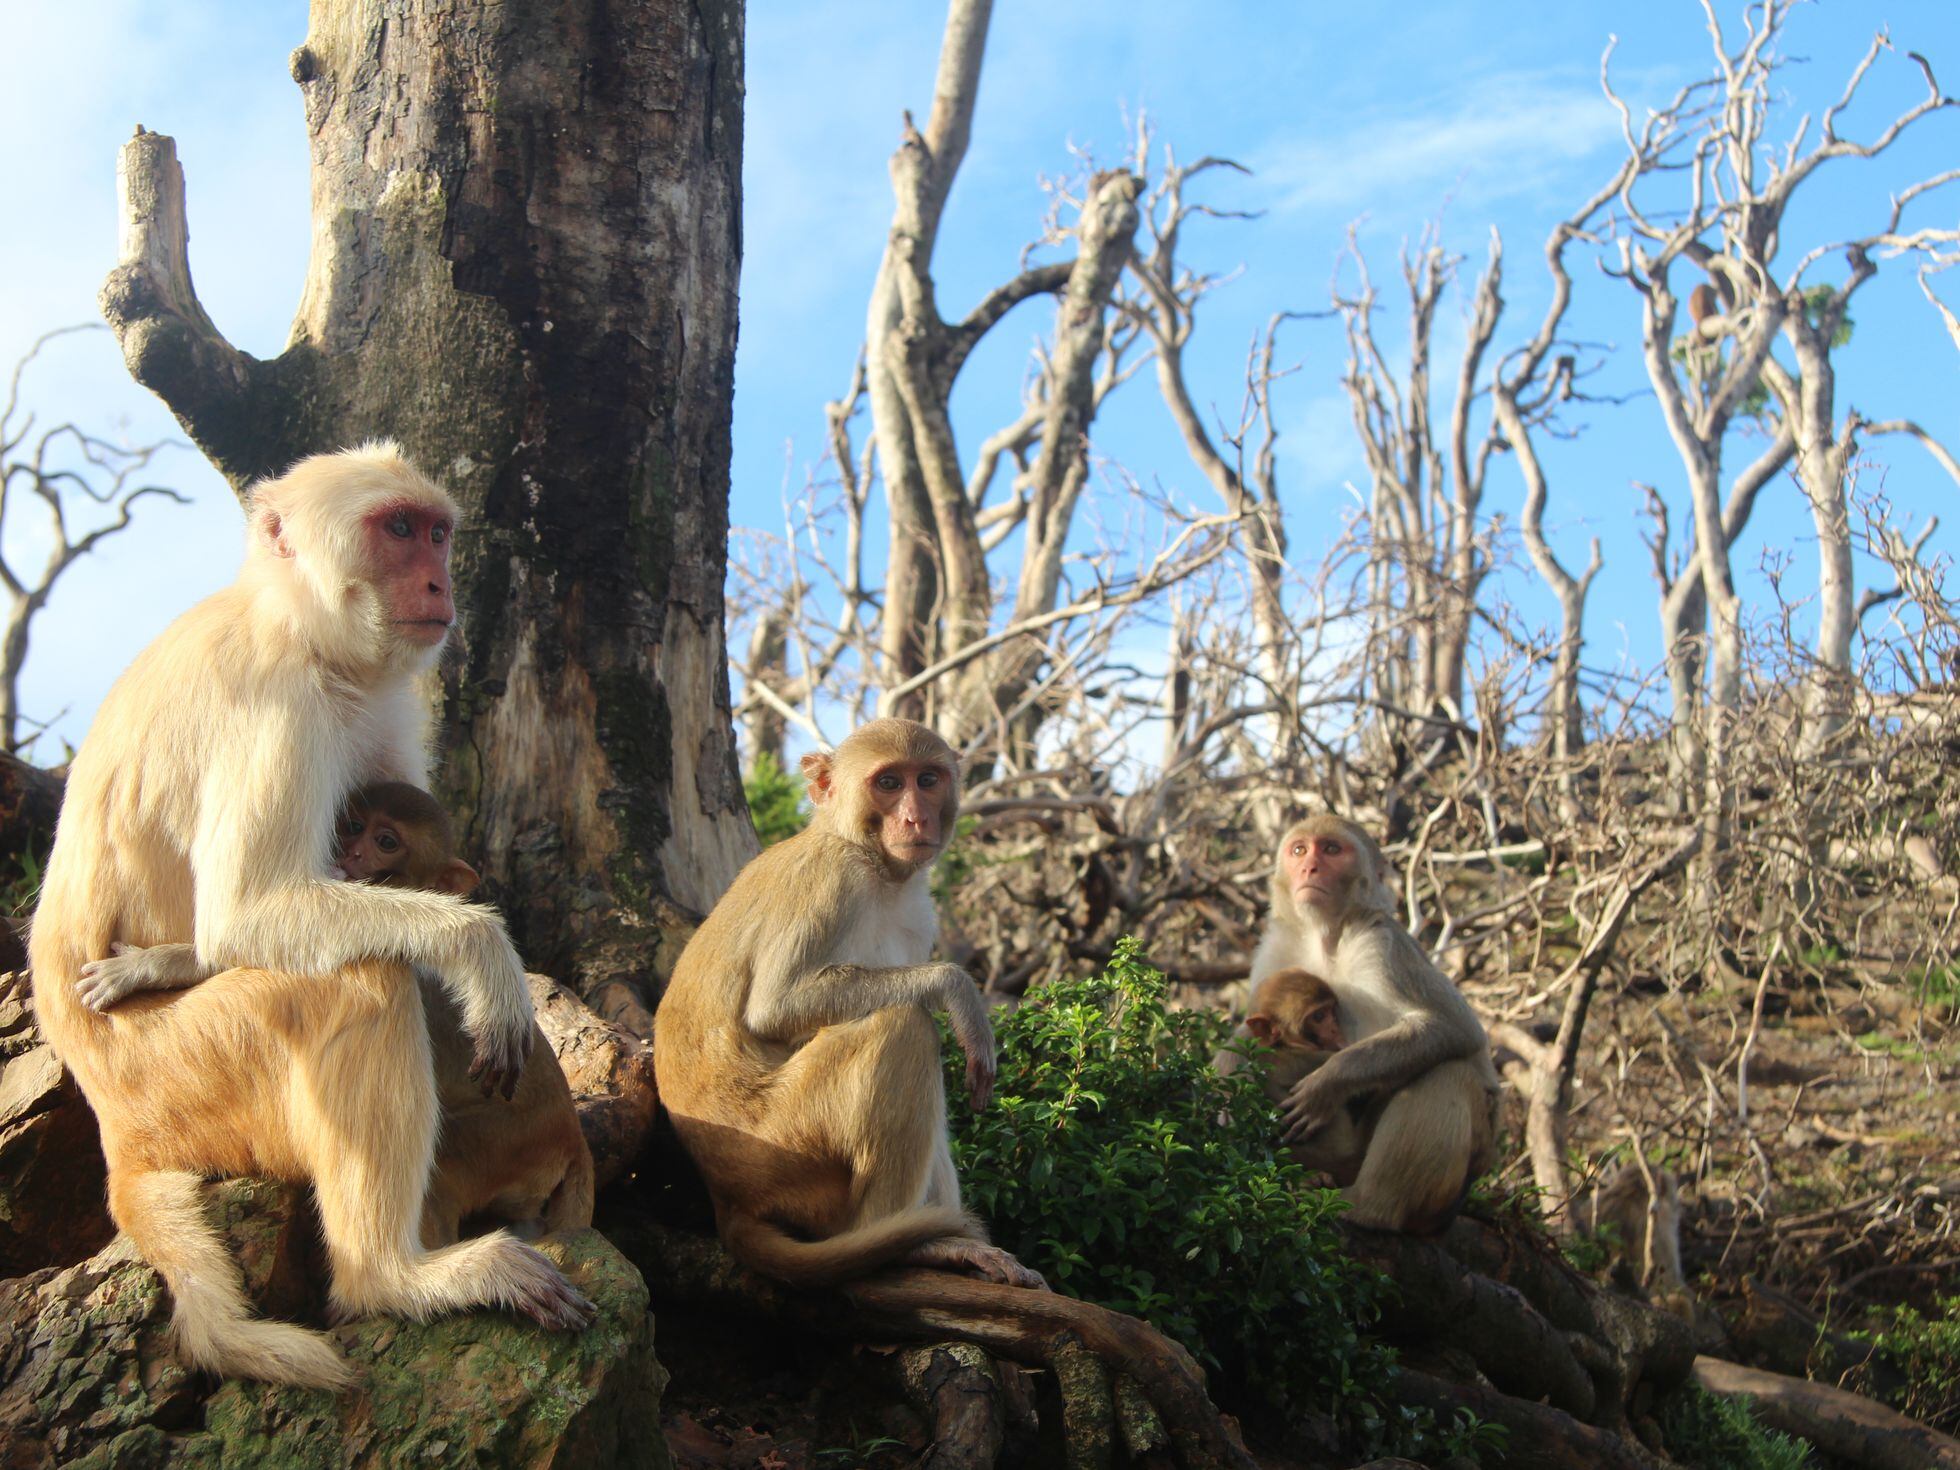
[272, 532]
[816, 776]
[1378, 892]
[457, 877]
[1263, 1027]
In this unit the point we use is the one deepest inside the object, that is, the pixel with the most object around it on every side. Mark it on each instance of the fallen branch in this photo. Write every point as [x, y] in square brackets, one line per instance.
[1846, 1425]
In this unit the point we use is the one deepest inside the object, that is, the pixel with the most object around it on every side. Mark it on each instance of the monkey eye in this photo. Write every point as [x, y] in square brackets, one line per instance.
[1299, 849]
[387, 841]
[438, 533]
[890, 781]
[1330, 847]
[399, 527]
[928, 779]
[352, 827]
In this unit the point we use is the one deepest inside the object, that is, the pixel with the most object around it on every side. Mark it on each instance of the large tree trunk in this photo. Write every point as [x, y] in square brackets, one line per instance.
[526, 239]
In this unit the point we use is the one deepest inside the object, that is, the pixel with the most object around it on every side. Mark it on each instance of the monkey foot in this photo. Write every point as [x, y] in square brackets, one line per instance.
[988, 1262]
[538, 1290]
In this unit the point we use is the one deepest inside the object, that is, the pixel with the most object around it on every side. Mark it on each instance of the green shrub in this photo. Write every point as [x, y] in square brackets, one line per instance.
[20, 889]
[775, 800]
[1926, 1350]
[1706, 1431]
[1938, 987]
[1116, 1162]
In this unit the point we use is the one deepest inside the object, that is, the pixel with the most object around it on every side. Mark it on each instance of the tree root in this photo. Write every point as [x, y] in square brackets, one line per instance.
[1090, 1349]
[1534, 1327]
[959, 1390]
[1541, 1437]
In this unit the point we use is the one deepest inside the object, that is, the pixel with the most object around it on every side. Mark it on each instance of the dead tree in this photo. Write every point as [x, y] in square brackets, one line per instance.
[1429, 557]
[938, 595]
[1166, 304]
[939, 639]
[52, 465]
[537, 299]
[1726, 224]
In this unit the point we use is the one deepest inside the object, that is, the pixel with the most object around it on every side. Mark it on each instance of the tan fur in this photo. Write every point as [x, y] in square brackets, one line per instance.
[524, 1162]
[1283, 999]
[1416, 1050]
[200, 811]
[795, 1048]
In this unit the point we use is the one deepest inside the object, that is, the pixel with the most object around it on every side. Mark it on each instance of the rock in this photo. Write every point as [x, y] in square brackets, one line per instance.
[51, 1170]
[611, 1075]
[88, 1379]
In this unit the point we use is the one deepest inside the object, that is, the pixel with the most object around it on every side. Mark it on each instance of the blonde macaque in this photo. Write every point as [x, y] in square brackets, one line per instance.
[201, 810]
[795, 1045]
[523, 1162]
[1416, 1057]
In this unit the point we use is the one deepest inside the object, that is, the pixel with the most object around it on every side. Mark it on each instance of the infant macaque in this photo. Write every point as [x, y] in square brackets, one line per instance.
[390, 832]
[1297, 1014]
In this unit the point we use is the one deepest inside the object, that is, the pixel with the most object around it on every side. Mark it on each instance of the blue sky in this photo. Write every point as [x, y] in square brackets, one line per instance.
[1491, 115]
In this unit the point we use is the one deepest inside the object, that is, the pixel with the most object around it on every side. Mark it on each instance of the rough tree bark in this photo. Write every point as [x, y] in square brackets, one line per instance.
[526, 240]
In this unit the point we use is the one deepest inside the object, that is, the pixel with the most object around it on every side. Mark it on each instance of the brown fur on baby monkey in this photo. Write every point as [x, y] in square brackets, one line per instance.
[392, 832]
[1297, 1014]
[524, 1163]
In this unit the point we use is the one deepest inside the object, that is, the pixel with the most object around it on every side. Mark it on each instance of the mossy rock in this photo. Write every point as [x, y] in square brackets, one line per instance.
[88, 1379]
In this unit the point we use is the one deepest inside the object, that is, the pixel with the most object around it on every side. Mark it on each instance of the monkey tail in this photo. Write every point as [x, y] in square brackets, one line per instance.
[570, 1204]
[770, 1249]
[164, 1215]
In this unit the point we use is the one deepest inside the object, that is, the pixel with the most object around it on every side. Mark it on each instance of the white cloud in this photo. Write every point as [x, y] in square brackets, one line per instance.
[1505, 135]
[1317, 443]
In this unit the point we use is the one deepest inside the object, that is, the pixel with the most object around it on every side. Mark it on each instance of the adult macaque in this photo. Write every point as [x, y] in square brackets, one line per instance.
[795, 1045]
[524, 1162]
[201, 810]
[1414, 1044]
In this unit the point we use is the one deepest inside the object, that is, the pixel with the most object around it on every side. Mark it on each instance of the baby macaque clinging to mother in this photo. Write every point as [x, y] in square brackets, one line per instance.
[1413, 1087]
[1297, 1014]
[388, 832]
[201, 810]
[795, 1044]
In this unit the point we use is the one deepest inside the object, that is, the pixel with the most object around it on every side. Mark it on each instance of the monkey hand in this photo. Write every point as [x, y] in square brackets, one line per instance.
[104, 982]
[981, 1071]
[973, 1029]
[497, 1060]
[1309, 1107]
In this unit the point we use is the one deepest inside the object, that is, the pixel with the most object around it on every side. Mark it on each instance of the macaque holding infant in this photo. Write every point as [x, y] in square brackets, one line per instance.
[524, 1162]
